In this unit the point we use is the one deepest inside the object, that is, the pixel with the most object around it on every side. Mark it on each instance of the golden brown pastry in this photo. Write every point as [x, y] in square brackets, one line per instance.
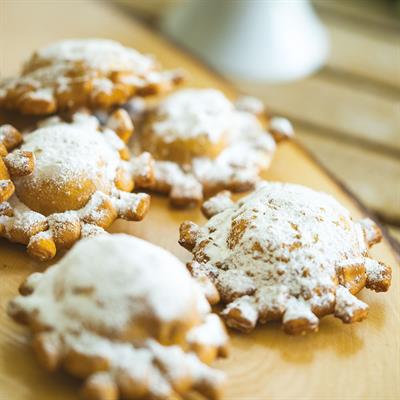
[80, 184]
[203, 143]
[284, 252]
[18, 164]
[141, 329]
[83, 73]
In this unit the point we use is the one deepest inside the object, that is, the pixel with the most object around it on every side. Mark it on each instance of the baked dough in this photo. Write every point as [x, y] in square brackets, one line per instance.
[285, 252]
[82, 179]
[125, 316]
[18, 164]
[95, 73]
[202, 144]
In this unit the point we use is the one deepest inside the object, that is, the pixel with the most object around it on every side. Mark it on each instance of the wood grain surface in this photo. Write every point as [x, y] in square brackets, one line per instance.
[353, 102]
[356, 121]
[358, 361]
[352, 105]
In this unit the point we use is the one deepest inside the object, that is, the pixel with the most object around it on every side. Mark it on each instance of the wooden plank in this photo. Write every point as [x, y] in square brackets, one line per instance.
[370, 57]
[374, 177]
[362, 359]
[336, 106]
[378, 15]
[150, 10]
[395, 232]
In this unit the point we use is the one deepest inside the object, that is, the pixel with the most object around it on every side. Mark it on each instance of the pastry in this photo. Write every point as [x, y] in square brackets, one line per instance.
[95, 73]
[19, 164]
[6, 185]
[141, 329]
[202, 144]
[284, 252]
[80, 184]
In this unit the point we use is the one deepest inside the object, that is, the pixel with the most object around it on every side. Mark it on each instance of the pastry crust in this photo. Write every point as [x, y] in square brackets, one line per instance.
[80, 184]
[202, 144]
[285, 252]
[180, 150]
[123, 332]
[11, 166]
[6, 185]
[95, 73]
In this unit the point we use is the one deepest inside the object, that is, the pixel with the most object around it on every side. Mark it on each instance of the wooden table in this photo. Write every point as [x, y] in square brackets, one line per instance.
[352, 112]
[359, 361]
[348, 113]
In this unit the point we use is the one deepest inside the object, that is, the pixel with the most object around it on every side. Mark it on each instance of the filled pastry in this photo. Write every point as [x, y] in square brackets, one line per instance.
[203, 143]
[10, 138]
[125, 316]
[94, 73]
[80, 183]
[284, 252]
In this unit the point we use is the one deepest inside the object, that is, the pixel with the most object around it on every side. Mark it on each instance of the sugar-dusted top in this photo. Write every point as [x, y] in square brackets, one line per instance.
[101, 54]
[189, 113]
[111, 298]
[285, 237]
[109, 280]
[67, 152]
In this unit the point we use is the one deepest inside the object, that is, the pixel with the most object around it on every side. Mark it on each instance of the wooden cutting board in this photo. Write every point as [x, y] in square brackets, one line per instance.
[360, 361]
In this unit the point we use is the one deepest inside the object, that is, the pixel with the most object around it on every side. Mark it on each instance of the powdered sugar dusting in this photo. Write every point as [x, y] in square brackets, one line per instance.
[45, 94]
[190, 113]
[99, 54]
[249, 152]
[22, 219]
[95, 73]
[146, 273]
[250, 104]
[90, 230]
[102, 85]
[129, 288]
[67, 153]
[347, 305]
[286, 236]
[18, 161]
[281, 126]
[217, 204]
[75, 185]
[211, 333]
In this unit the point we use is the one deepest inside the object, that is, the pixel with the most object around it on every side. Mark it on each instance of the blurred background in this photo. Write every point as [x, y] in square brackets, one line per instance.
[343, 92]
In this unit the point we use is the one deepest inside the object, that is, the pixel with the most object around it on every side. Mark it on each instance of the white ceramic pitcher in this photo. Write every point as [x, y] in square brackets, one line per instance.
[268, 40]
